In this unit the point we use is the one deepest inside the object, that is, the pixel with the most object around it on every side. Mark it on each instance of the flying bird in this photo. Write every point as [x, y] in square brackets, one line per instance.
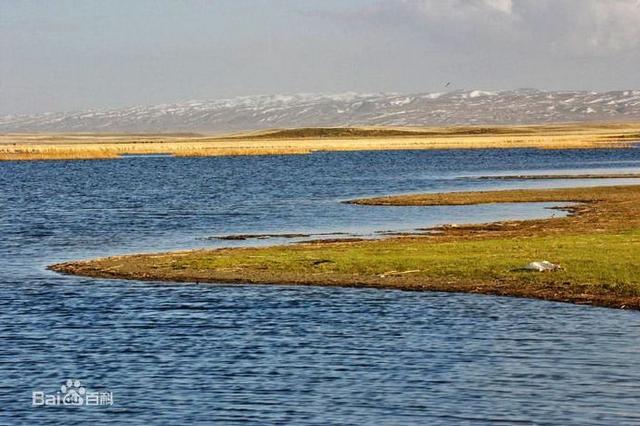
[448, 84]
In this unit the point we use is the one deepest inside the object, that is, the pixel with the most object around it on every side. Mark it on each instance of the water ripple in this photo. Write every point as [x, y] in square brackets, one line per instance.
[202, 354]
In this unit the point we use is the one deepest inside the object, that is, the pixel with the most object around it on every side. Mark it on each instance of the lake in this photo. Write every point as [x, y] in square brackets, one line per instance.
[201, 354]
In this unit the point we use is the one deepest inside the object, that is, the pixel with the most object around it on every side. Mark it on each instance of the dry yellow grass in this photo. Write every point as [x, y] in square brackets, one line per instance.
[304, 141]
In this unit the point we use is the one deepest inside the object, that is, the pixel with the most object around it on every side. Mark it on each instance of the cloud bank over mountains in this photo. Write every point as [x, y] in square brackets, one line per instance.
[559, 27]
[95, 54]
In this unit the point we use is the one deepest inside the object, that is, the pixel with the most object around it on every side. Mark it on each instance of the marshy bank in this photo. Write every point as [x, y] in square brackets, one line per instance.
[597, 245]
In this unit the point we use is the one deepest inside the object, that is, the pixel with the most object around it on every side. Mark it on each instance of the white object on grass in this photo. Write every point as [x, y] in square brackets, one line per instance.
[544, 266]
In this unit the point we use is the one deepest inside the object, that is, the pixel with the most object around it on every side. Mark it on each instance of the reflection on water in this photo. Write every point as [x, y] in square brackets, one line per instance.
[262, 354]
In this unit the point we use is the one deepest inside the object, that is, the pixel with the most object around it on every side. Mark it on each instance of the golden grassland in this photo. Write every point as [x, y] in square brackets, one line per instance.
[597, 245]
[308, 140]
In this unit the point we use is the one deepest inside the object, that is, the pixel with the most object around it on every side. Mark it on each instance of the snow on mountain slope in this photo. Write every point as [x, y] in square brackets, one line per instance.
[523, 106]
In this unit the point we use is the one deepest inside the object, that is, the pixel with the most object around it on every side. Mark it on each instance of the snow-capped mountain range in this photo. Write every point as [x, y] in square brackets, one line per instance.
[523, 106]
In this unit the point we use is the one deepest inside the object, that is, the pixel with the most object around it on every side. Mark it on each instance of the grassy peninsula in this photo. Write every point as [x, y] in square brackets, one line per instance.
[22, 146]
[597, 245]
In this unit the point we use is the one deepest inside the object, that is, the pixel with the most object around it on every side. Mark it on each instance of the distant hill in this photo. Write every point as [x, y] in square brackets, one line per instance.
[523, 106]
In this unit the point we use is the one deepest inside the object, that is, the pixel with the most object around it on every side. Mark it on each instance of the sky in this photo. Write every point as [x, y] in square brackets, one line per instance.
[68, 55]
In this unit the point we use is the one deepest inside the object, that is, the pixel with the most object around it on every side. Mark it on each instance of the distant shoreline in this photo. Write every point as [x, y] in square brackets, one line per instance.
[69, 146]
[597, 246]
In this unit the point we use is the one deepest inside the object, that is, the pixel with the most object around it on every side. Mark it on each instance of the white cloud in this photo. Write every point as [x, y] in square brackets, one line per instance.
[504, 6]
[565, 27]
[610, 25]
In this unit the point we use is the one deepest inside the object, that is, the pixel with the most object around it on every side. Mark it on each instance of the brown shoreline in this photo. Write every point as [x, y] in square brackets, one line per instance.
[74, 146]
[598, 244]
[563, 177]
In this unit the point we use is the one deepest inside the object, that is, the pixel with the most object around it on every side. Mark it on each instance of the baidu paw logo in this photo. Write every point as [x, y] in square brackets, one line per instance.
[72, 392]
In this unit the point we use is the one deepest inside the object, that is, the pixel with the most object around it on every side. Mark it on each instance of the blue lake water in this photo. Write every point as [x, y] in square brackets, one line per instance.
[202, 354]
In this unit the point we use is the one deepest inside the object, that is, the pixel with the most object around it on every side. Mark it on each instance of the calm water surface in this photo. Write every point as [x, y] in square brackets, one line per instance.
[187, 354]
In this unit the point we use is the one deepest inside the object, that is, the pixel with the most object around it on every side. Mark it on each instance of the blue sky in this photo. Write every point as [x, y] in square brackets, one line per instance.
[60, 55]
